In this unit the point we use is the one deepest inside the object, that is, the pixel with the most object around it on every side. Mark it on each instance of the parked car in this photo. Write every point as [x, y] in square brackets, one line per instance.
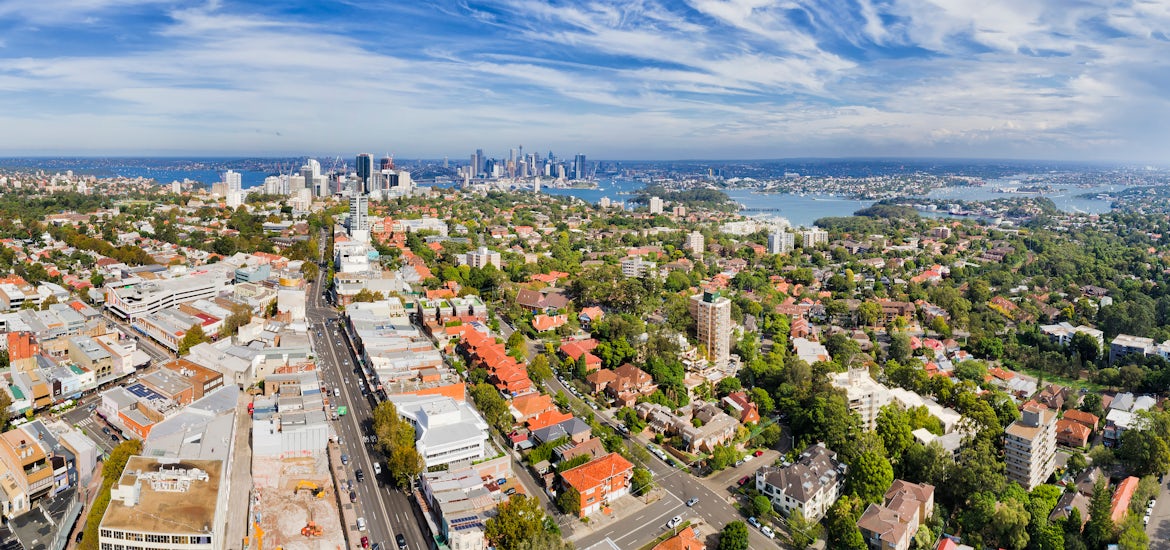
[377, 468]
[758, 453]
[674, 521]
[353, 496]
[361, 524]
[755, 522]
[344, 459]
[743, 480]
[510, 491]
[365, 542]
[359, 475]
[767, 531]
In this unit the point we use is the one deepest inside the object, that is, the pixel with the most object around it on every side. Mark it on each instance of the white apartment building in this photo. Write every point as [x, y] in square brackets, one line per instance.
[811, 484]
[637, 267]
[655, 205]
[712, 314]
[482, 257]
[781, 242]
[1029, 447]
[446, 430]
[867, 396]
[695, 242]
[813, 237]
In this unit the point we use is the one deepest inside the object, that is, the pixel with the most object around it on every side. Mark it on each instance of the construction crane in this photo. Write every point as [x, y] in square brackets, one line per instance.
[313, 487]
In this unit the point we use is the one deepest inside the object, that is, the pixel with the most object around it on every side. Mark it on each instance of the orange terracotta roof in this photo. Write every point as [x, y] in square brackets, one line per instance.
[596, 472]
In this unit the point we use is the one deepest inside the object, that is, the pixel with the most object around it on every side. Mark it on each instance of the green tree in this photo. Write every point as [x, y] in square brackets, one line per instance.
[728, 385]
[517, 346]
[734, 536]
[761, 506]
[111, 473]
[899, 349]
[769, 436]
[5, 410]
[978, 469]
[310, 271]
[1133, 534]
[722, 456]
[396, 437]
[643, 481]
[516, 523]
[894, 428]
[569, 501]
[1009, 524]
[870, 476]
[841, 524]
[539, 369]
[1099, 530]
[240, 316]
[868, 313]
[802, 532]
[192, 338]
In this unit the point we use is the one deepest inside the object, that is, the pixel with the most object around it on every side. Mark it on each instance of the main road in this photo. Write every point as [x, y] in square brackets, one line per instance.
[387, 511]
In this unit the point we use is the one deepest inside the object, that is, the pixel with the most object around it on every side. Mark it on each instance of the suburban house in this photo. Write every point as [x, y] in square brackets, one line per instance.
[811, 484]
[536, 301]
[741, 407]
[599, 481]
[892, 525]
[1072, 434]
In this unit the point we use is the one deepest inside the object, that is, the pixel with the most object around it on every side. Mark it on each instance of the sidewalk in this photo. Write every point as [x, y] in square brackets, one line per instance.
[240, 490]
[615, 512]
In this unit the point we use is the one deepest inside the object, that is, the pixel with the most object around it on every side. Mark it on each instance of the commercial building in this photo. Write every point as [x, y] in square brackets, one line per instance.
[359, 217]
[1030, 447]
[446, 430]
[600, 481]
[712, 314]
[166, 504]
[811, 484]
[133, 299]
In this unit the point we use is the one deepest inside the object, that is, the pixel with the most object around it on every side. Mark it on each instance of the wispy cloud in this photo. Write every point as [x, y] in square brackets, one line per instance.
[618, 79]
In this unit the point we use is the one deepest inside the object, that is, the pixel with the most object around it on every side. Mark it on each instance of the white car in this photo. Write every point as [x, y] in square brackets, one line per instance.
[674, 522]
[377, 468]
[767, 531]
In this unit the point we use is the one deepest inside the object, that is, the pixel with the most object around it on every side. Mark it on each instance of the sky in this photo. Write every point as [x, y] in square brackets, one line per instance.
[614, 79]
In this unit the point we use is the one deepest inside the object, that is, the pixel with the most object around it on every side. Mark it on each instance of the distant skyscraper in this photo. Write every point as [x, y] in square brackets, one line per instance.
[579, 167]
[536, 185]
[365, 168]
[233, 180]
[480, 163]
[387, 163]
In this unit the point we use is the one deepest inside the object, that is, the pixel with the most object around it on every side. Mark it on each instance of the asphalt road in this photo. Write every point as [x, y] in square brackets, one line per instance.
[386, 510]
[1158, 530]
[714, 507]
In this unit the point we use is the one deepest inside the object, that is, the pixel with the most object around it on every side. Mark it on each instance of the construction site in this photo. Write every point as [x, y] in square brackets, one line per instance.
[294, 505]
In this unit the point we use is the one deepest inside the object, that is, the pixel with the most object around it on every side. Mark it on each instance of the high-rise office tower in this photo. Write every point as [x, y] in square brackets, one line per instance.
[365, 168]
[480, 162]
[387, 163]
[579, 167]
[234, 181]
[712, 314]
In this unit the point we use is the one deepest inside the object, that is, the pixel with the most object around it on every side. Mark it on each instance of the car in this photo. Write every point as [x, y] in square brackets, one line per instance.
[401, 540]
[1150, 506]
[739, 462]
[80, 535]
[755, 522]
[748, 458]
[344, 459]
[743, 480]
[359, 475]
[1146, 520]
[365, 542]
[501, 481]
[758, 453]
[510, 491]
[361, 524]
[377, 468]
[767, 531]
[376, 546]
[353, 496]
[692, 501]
[106, 431]
[674, 521]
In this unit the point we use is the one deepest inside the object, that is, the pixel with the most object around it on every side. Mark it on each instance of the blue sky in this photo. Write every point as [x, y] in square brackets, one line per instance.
[618, 79]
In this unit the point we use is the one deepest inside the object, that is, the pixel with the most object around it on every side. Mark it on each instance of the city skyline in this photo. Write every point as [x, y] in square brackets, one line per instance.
[739, 79]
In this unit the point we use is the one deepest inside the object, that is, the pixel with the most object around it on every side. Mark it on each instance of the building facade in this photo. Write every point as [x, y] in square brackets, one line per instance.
[712, 314]
[1030, 447]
